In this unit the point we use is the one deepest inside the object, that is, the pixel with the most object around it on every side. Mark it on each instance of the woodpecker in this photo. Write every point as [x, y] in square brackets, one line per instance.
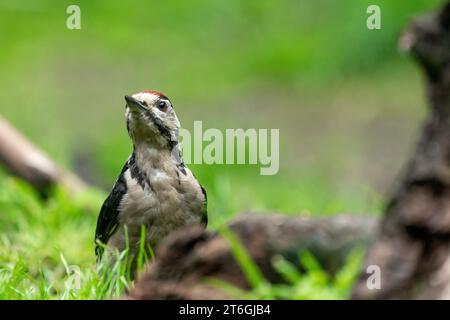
[154, 189]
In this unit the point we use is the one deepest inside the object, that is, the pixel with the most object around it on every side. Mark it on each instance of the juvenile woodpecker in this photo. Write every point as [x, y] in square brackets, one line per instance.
[155, 189]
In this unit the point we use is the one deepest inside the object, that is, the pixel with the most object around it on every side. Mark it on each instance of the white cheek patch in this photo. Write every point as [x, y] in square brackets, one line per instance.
[168, 118]
[161, 115]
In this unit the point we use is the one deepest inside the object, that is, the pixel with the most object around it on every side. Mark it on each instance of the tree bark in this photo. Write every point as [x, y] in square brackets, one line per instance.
[413, 246]
[28, 162]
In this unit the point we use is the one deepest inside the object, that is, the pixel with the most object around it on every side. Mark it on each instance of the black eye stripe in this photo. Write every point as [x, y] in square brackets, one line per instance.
[163, 130]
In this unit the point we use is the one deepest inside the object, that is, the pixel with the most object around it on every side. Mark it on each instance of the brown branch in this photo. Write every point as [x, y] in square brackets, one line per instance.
[28, 162]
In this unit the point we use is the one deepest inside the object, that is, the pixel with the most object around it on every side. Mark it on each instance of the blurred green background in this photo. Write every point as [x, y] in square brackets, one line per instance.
[347, 103]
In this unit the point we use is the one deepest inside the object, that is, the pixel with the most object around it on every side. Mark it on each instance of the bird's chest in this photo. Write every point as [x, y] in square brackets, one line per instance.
[163, 199]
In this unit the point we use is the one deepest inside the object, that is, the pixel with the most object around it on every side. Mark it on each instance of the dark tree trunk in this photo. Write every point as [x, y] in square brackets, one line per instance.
[413, 246]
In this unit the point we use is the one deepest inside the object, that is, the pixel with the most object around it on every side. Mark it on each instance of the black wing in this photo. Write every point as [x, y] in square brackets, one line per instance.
[108, 219]
[205, 210]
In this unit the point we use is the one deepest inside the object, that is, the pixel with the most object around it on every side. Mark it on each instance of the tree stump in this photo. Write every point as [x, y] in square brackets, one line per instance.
[413, 246]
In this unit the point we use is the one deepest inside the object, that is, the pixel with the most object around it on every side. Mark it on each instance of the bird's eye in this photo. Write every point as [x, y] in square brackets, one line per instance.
[162, 105]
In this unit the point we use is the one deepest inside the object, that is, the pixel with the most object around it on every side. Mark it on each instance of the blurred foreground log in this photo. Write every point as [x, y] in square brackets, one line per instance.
[413, 247]
[28, 162]
[189, 257]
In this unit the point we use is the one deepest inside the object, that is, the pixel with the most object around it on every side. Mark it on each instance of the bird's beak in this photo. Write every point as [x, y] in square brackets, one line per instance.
[135, 104]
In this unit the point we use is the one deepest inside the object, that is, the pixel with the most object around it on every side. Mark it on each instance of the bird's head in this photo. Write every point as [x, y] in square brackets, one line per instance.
[151, 119]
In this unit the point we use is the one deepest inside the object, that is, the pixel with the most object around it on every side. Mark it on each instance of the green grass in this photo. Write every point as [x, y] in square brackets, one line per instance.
[46, 247]
[41, 239]
[47, 252]
[313, 283]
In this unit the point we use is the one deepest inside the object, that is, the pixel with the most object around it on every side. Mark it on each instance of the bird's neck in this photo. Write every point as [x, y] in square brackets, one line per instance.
[153, 155]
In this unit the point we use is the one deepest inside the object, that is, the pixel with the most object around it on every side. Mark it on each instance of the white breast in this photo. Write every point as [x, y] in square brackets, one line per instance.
[167, 201]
